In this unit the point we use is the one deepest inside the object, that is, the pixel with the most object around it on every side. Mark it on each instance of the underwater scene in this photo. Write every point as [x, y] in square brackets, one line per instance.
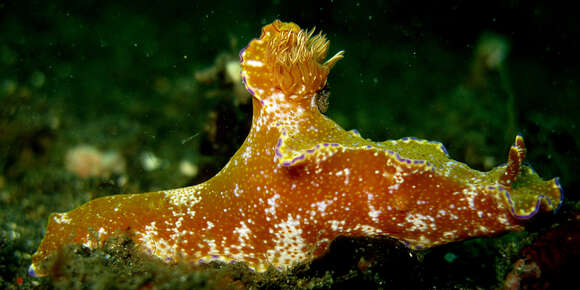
[288, 144]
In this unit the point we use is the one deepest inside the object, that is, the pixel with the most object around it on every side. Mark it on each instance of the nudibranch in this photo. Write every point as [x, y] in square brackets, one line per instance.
[299, 180]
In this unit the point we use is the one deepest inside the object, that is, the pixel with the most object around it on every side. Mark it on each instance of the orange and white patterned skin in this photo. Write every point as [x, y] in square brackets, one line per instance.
[300, 180]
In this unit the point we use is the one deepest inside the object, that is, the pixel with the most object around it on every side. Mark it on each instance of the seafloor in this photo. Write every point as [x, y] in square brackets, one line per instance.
[100, 98]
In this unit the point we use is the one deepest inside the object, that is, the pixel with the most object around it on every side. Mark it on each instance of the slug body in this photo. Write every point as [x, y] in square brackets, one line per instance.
[300, 180]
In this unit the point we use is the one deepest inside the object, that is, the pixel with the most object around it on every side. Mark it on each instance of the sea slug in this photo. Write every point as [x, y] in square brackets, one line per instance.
[299, 180]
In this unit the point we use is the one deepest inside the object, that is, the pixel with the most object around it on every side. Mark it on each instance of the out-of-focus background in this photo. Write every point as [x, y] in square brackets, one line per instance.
[106, 97]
